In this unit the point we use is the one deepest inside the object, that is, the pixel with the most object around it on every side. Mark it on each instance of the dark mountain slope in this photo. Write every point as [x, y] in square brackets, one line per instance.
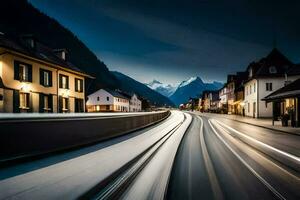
[20, 17]
[141, 90]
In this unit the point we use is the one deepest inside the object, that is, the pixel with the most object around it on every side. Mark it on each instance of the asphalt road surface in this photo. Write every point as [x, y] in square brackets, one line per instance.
[186, 156]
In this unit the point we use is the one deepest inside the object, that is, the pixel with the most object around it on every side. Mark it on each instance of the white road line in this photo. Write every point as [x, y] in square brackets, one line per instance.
[269, 186]
[293, 157]
[209, 166]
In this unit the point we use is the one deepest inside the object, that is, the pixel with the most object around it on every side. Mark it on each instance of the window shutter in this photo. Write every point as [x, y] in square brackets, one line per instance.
[60, 102]
[60, 81]
[76, 85]
[29, 73]
[68, 104]
[41, 103]
[50, 102]
[29, 100]
[16, 101]
[81, 85]
[16, 70]
[41, 76]
[50, 78]
[67, 82]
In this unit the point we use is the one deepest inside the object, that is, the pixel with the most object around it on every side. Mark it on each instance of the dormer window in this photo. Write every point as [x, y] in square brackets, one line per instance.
[272, 70]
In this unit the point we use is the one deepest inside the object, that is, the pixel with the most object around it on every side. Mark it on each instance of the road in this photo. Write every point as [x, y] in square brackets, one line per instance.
[186, 156]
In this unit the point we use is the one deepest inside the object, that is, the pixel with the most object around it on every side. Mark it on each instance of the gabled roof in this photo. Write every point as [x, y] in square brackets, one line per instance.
[290, 90]
[273, 65]
[117, 94]
[40, 51]
[294, 70]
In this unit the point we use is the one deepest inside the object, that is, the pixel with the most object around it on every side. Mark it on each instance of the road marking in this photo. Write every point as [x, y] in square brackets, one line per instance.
[209, 166]
[261, 143]
[269, 186]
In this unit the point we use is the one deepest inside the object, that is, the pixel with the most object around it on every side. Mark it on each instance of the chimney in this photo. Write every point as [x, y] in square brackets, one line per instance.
[29, 40]
[62, 53]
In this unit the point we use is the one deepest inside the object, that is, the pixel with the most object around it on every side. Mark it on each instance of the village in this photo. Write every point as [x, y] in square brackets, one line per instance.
[267, 89]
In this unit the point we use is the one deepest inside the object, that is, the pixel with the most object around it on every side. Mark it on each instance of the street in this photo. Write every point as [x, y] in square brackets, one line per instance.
[186, 156]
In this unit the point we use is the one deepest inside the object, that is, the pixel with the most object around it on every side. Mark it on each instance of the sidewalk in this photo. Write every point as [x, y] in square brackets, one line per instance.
[265, 123]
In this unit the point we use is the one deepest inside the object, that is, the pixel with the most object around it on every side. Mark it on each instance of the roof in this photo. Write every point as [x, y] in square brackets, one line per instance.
[290, 90]
[294, 70]
[117, 94]
[273, 65]
[40, 51]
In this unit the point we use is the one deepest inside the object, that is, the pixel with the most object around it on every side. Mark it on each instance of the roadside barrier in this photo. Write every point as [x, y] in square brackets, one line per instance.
[26, 138]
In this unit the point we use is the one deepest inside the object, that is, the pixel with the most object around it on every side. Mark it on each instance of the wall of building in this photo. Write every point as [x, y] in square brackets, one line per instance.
[250, 98]
[135, 104]
[121, 105]
[34, 87]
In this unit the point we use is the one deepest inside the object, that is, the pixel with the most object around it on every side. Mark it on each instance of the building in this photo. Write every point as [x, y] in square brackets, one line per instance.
[264, 77]
[235, 93]
[36, 78]
[223, 103]
[135, 105]
[210, 99]
[285, 101]
[105, 100]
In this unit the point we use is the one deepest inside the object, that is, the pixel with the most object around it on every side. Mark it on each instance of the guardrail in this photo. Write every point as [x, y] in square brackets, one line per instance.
[25, 138]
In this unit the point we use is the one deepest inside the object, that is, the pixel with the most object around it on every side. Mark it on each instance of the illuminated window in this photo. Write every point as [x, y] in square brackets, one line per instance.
[24, 100]
[23, 72]
[63, 81]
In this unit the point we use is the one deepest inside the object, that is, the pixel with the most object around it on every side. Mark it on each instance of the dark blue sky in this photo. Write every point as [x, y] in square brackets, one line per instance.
[173, 40]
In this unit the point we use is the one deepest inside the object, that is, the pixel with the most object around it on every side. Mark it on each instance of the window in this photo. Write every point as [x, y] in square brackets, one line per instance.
[107, 98]
[272, 70]
[63, 81]
[248, 107]
[78, 85]
[22, 71]
[46, 102]
[269, 87]
[45, 78]
[79, 107]
[64, 104]
[254, 87]
[24, 100]
[98, 98]
[250, 89]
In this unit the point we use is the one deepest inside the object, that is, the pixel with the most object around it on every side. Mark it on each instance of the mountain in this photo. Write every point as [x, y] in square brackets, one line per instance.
[19, 17]
[164, 89]
[132, 86]
[192, 87]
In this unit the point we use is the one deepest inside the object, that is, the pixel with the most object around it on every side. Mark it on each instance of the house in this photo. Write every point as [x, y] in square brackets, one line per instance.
[106, 100]
[264, 77]
[285, 101]
[135, 105]
[36, 78]
[223, 103]
[210, 100]
[235, 92]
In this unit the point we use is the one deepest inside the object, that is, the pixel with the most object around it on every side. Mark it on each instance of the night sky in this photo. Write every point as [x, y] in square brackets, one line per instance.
[173, 40]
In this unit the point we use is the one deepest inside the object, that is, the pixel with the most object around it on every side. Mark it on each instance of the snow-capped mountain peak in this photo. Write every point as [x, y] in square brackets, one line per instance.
[190, 80]
[164, 89]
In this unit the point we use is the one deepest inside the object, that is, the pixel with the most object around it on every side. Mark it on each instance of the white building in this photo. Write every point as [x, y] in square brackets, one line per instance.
[107, 101]
[265, 76]
[135, 104]
[223, 103]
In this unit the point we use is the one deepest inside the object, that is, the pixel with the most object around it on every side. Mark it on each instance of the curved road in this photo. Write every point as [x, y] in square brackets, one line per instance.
[187, 156]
